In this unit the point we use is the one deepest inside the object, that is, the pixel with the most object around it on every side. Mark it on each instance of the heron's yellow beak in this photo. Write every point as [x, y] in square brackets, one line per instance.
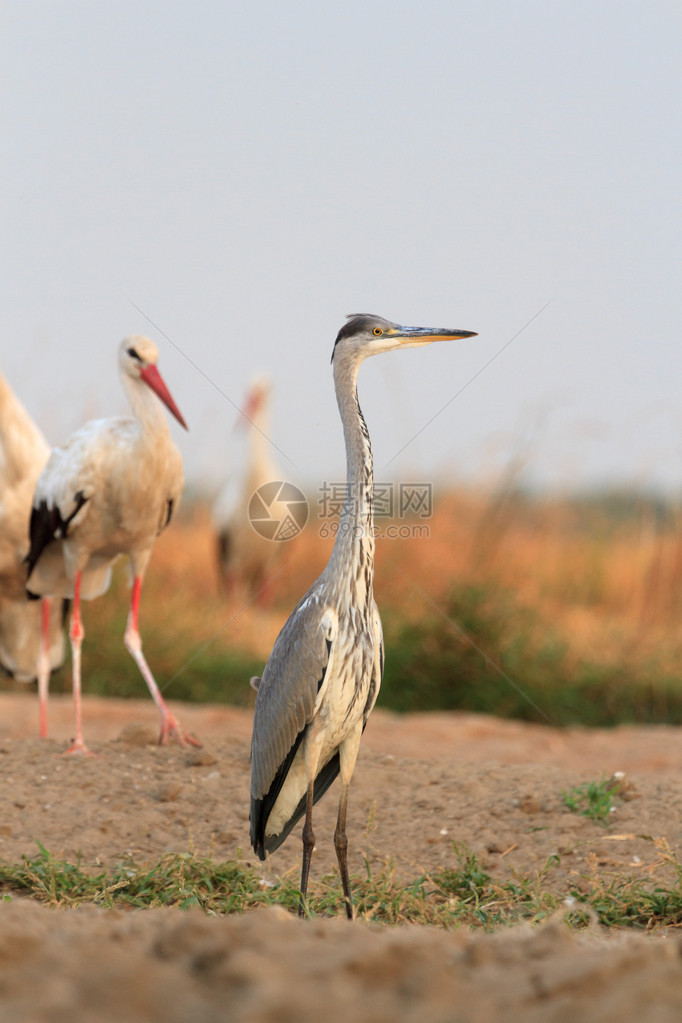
[425, 335]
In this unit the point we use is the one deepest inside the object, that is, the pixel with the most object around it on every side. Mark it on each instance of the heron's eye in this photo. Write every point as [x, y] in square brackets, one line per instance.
[133, 354]
[378, 331]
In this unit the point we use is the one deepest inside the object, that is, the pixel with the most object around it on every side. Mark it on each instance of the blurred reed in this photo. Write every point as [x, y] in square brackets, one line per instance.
[575, 599]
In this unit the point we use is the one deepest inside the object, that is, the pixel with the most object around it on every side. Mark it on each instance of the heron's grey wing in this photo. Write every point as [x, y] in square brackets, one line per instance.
[378, 667]
[290, 689]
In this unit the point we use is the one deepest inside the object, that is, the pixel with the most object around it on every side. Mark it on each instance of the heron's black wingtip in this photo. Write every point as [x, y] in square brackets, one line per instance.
[257, 829]
[260, 811]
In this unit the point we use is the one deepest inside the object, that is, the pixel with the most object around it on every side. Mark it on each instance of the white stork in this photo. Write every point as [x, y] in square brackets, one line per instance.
[245, 558]
[31, 639]
[109, 491]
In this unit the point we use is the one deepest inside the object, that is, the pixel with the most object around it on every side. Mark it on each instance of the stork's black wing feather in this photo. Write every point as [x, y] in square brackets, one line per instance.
[47, 525]
[44, 525]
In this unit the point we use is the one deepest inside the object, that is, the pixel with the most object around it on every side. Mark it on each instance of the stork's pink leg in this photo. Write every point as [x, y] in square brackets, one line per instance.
[76, 634]
[169, 723]
[43, 666]
[266, 591]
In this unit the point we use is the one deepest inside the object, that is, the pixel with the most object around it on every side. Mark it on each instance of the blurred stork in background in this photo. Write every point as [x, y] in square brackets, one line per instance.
[246, 559]
[109, 491]
[31, 637]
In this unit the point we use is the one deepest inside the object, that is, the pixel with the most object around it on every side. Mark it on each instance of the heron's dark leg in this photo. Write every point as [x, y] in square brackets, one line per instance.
[312, 749]
[308, 846]
[341, 846]
[348, 752]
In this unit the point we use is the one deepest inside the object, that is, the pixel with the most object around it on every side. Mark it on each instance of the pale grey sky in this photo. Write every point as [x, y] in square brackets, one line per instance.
[247, 174]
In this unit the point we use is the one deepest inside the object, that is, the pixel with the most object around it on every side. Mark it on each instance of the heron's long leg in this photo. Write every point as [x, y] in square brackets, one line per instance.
[313, 743]
[347, 756]
[169, 723]
[341, 846]
[76, 635]
[308, 846]
[43, 666]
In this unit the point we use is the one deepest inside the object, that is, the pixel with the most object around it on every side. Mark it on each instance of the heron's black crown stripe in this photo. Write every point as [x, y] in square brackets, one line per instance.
[355, 324]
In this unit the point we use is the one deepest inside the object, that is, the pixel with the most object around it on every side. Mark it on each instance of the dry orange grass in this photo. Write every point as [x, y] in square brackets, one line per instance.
[611, 589]
[183, 584]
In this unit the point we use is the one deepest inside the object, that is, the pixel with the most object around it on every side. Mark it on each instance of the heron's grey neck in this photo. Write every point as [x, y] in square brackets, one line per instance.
[352, 559]
[146, 407]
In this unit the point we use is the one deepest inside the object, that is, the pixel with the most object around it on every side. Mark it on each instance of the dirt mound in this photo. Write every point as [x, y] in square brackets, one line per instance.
[174, 967]
[421, 783]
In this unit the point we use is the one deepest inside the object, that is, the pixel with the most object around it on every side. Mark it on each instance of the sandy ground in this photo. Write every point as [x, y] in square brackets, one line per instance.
[422, 782]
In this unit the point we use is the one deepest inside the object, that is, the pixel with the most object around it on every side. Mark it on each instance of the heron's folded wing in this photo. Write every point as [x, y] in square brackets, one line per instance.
[378, 667]
[289, 689]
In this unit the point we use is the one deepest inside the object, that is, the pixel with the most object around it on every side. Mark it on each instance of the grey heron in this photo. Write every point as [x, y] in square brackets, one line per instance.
[109, 491]
[322, 678]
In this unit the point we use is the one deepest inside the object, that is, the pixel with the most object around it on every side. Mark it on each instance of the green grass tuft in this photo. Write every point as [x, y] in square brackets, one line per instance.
[464, 896]
[594, 800]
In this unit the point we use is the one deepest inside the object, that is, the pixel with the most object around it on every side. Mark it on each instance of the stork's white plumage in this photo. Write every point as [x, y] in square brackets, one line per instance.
[31, 640]
[247, 560]
[109, 491]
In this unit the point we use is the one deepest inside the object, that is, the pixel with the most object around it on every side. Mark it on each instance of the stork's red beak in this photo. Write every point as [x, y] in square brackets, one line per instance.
[153, 379]
[249, 409]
